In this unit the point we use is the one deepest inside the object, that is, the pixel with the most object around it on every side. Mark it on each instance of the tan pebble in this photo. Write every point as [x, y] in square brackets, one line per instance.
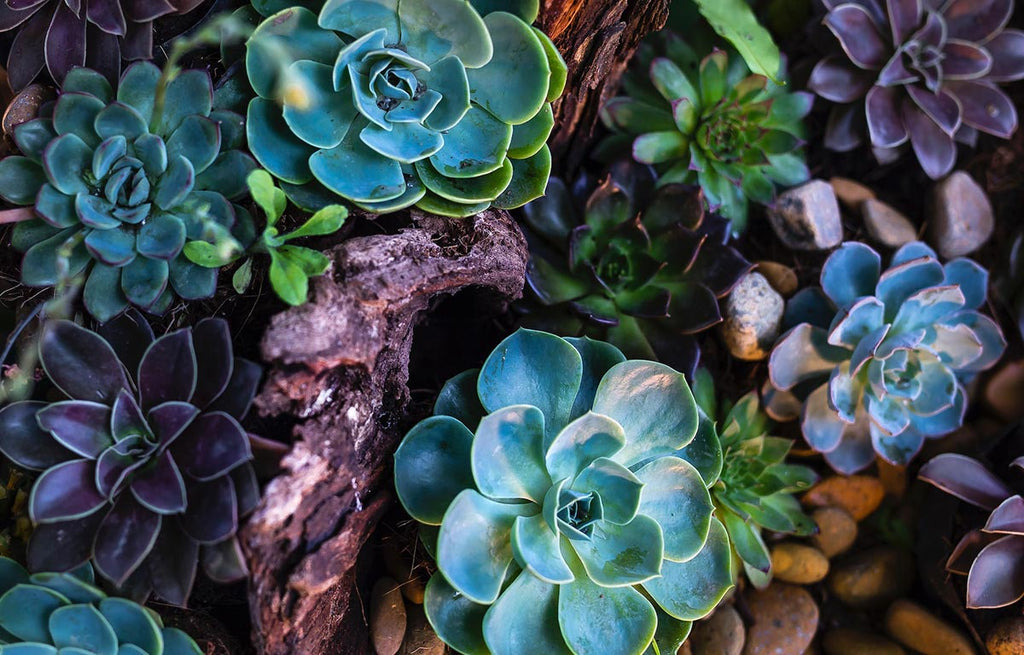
[859, 495]
[850, 193]
[873, 577]
[836, 530]
[893, 478]
[797, 563]
[722, 633]
[420, 638]
[387, 617]
[1006, 637]
[25, 106]
[781, 277]
[399, 568]
[916, 628]
[785, 620]
[886, 225]
[845, 641]
[1005, 391]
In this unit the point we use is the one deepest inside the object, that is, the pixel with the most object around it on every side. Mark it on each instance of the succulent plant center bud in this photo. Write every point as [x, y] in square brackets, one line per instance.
[615, 267]
[579, 511]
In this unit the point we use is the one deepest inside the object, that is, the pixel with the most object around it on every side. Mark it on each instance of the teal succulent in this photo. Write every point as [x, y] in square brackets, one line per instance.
[753, 486]
[709, 122]
[51, 613]
[442, 104]
[880, 359]
[119, 183]
[561, 512]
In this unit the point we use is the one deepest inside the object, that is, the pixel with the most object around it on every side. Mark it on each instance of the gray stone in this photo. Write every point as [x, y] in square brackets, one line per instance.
[886, 225]
[420, 638]
[807, 217]
[387, 617]
[960, 216]
[753, 316]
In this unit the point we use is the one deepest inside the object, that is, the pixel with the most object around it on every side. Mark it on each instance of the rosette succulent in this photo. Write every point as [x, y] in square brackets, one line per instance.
[881, 358]
[561, 514]
[991, 557]
[709, 122]
[47, 613]
[63, 34]
[640, 267]
[442, 104]
[752, 486]
[121, 181]
[923, 71]
[145, 468]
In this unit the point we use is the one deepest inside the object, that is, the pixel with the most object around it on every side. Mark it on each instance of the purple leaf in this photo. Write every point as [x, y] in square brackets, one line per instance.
[129, 335]
[66, 491]
[79, 425]
[24, 443]
[854, 452]
[1008, 517]
[138, 42]
[212, 513]
[161, 488]
[172, 564]
[844, 129]
[12, 16]
[65, 42]
[885, 119]
[236, 399]
[941, 107]
[976, 20]
[126, 417]
[721, 269]
[118, 461]
[835, 80]
[964, 61]
[214, 363]
[81, 363]
[904, 17]
[211, 446]
[27, 57]
[895, 72]
[966, 551]
[169, 420]
[997, 575]
[247, 488]
[124, 539]
[965, 478]
[104, 56]
[932, 33]
[1007, 52]
[934, 148]
[224, 561]
[858, 35]
[986, 108]
[62, 546]
[106, 15]
[140, 11]
[693, 307]
[168, 370]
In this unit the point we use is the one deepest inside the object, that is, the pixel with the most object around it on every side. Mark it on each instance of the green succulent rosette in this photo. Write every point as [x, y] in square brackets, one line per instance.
[560, 510]
[119, 185]
[441, 104]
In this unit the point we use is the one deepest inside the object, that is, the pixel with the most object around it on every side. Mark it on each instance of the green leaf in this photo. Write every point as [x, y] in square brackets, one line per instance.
[20, 180]
[536, 546]
[326, 221]
[619, 555]
[242, 277]
[583, 441]
[432, 466]
[676, 497]
[508, 455]
[457, 620]
[735, 21]
[520, 63]
[746, 539]
[690, 590]
[270, 199]
[529, 180]
[208, 255]
[24, 611]
[312, 262]
[290, 282]
[524, 619]
[529, 137]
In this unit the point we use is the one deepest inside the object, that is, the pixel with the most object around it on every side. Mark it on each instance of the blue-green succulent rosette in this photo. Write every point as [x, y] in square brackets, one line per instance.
[441, 104]
[560, 511]
[879, 362]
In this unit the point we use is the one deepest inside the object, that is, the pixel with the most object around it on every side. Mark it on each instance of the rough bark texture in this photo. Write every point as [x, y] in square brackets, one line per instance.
[596, 40]
[340, 365]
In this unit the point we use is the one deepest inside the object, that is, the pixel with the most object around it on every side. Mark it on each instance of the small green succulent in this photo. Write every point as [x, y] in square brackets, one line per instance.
[442, 104]
[51, 613]
[122, 182]
[708, 122]
[562, 514]
[754, 489]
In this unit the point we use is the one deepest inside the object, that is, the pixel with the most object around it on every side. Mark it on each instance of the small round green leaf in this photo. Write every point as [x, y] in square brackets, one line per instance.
[524, 619]
[520, 63]
[457, 620]
[690, 590]
[432, 466]
[82, 626]
[508, 455]
[677, 498]
[20, 180]
[25, 611]
[596, 619]
[622, 555]
[477, 145]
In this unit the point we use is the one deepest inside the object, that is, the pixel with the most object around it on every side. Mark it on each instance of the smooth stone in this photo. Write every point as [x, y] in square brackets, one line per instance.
[916, 628]
[753, 317]
[798, 563]
[25, 106]
[872, 578]
[893, 478]
[387, 617]
[722, 633]
[852, 194]
[836, 530]
[1005, 391]
[399, 568]
[1006, 637]
[807, 217]
[960, 216]
[859, 495]
[420, 638]
[886, 225]
[785, 620]
[782, 278]
[846, 641]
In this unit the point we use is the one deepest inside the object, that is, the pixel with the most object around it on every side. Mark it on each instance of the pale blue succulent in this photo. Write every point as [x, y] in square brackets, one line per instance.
[881, 359]
[562, 514]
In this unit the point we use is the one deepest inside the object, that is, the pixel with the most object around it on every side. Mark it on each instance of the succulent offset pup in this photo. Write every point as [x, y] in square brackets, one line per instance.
[923, 71]
[561, 514]
[145, 469]
[640, 267]
[442, 104]
[122, 183]
[882, 361]
[709, 122]
[47, 613]
[989, 557]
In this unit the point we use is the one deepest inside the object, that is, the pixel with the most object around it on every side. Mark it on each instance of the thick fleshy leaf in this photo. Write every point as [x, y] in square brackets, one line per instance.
[850, 272]
[965, 478]
[64, 492]
[273, 144]
[24, 442]
[172, 564]
[971, 278]
[536, 547]
[676, 497]
[855, 450]
[525, 618]
[355, 171]
[508, 455]
[690, 590]
[588, 438]
[79, 426]
[25, 610]
[996, 578]
[858, 34]
[212, 513]
[596, 619]
[241, 389]
[167, 371]
[803, 354]
[901, 281]
[125, 538]
[62, 546]
[1007, 50]
[1008, 517]
[617, 487]
[458, 399]
[213, 444]
[477, 145]
[822, 426]
[432, 466]
[934, 148]
[457, 620]
[598, 358]
[435, 29]
[132, 623]
[224, 562]
[21, 180]
[986, 108]
[621, 555]
[160, 489]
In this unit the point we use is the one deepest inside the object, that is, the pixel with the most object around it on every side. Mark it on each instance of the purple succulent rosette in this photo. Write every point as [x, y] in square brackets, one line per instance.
[880, 362]
[993, 556]
[924, 71]
[145, 468]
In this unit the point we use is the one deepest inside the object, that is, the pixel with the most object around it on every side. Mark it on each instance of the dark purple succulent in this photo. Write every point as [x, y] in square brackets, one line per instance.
[145, 467]
[923, 71]
[62, 34]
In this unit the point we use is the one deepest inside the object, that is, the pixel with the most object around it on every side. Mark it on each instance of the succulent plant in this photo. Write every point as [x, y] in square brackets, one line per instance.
[881, 359]
[47, 613]
[122, 181]
[442, 104]
[145, 468]
[752, 486]
[562, 516]
[708, 122]
[638, 266]
[992, 556]
[63, 34]
[924, 71]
